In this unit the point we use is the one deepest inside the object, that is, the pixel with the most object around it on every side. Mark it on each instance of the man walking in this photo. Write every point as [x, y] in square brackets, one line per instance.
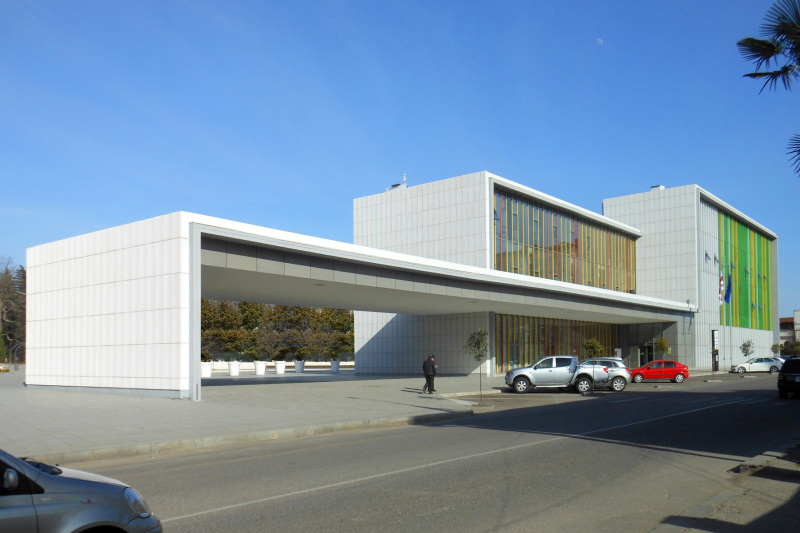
[429, 369]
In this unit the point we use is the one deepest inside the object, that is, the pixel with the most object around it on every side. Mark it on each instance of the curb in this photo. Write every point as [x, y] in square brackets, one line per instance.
[156, 448]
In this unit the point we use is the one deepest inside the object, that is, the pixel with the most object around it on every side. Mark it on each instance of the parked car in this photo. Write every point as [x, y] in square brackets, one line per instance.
[40, 498]
[757, 364]
[557, 372]
[672, 370]
[789, 378]
[619, 376]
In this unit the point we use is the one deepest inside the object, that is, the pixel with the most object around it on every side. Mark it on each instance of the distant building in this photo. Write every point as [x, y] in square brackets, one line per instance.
[790, 328]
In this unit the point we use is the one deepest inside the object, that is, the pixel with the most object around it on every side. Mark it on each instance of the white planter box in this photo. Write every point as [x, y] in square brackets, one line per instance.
[233, 368]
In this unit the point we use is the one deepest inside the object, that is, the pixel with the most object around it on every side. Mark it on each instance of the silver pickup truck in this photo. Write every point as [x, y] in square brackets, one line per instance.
[565, 372]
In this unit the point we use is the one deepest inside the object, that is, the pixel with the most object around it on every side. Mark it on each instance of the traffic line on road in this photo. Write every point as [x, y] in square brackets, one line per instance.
[434, 464]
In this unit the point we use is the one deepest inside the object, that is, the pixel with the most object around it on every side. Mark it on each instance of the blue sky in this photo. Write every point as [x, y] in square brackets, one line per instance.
[281, 113]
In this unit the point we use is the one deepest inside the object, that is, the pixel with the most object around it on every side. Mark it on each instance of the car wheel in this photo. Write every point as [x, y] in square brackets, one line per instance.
[638, 378]
[773, 369]
[618, 384]
[741, 370]
[522, 385]
[783, 394]
[583, 385]
[679, 378]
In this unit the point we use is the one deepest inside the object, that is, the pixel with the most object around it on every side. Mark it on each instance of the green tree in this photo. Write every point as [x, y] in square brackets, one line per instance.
[478, 346]
[252, 314]
[331, 332]
[791, 348]
[593, 347]
[12, 307]
[287, 317]
[777, 55]
[747, 348]
[271, 344]
[210, 345]
[661, 347]
[776, 349]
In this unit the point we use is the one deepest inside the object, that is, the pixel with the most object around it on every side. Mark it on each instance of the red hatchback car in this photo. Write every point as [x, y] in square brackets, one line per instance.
[673, 370]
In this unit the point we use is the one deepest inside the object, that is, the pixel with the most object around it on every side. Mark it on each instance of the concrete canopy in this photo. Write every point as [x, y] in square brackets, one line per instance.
[119, 309]
[280, 270]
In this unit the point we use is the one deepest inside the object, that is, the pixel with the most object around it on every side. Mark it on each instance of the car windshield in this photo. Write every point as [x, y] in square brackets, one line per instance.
[47, 469]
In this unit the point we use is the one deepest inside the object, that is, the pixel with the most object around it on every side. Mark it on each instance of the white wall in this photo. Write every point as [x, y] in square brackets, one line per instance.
[731, 340]
[443, 220]
[397, 344]
[666, 254]
[111, 308]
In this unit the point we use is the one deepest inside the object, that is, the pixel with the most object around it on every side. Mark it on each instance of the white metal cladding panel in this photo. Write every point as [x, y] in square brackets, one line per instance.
[110, 308]
[390, 343]
[440, 220]
[707, 317]
[731, 340]
[666, 254]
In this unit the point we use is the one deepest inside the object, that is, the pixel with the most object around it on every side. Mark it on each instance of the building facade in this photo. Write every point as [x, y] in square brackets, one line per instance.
[119, 309]
[672, 244]
[695, 247]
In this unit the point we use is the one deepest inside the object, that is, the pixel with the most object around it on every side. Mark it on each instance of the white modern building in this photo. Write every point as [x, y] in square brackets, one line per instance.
[119, 309]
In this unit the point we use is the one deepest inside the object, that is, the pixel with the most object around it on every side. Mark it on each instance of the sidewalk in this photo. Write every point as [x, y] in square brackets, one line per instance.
[61, 426]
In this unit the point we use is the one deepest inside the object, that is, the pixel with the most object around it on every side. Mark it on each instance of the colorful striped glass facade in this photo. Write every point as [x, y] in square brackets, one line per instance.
[523, 340]
[745, 258]
[537, 240]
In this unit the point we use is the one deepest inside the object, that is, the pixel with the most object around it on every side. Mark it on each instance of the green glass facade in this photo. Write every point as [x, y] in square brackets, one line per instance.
[745, 258]
[523, 340]
[536, 240]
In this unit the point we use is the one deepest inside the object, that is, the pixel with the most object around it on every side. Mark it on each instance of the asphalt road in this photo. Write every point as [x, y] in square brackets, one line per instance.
[547, 461]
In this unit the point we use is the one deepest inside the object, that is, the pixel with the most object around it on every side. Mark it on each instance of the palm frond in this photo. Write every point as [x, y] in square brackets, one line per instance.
[759, 50]
[771, 79]
[782, 21]
[794, 153]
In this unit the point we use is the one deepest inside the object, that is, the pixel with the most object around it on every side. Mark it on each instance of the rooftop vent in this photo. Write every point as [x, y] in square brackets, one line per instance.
[657, 187]
[397, 185]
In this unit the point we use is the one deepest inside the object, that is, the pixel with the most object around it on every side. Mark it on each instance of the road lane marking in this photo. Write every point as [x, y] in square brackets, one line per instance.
[434, 464]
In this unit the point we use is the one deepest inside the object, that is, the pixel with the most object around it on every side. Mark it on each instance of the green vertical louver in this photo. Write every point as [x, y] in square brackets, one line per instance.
[745, 262]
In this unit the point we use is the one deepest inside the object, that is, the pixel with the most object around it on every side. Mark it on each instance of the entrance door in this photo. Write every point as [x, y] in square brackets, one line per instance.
[646, 354]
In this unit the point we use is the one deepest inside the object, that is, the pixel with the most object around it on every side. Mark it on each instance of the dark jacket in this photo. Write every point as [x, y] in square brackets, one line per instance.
[429, 367]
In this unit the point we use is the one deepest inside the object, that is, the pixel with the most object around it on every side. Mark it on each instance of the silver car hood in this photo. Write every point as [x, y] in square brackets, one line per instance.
[88, 476]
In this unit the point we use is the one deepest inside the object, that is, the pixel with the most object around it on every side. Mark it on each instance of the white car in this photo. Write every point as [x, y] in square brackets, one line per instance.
[758, 364]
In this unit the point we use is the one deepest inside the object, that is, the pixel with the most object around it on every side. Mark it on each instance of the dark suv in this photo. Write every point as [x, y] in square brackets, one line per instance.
[789, 378]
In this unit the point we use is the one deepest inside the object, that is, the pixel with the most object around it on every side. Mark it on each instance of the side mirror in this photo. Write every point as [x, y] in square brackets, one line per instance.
[10, 480]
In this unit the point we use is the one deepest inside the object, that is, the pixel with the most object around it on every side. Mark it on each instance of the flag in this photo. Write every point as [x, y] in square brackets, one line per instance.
[728, 290]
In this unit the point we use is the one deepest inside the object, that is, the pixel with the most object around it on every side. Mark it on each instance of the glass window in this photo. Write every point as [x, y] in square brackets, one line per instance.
[563, 361]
